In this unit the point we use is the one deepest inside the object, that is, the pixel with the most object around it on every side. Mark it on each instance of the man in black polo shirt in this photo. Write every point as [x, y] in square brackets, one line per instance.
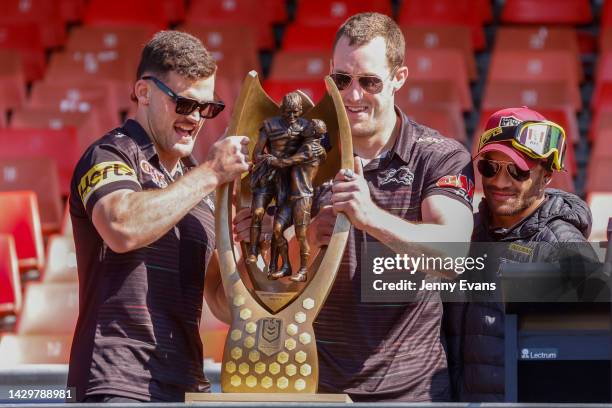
[410, 186]
[142, 215]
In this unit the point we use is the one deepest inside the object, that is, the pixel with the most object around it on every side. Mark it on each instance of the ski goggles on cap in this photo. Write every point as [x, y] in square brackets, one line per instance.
[538, 140]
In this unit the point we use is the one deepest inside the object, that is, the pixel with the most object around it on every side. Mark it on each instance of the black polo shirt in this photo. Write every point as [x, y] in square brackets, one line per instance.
[391, 352]
[137, 334]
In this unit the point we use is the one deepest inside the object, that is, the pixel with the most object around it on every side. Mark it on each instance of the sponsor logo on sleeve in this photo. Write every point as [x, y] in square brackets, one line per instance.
[460, 184]
[102, 174]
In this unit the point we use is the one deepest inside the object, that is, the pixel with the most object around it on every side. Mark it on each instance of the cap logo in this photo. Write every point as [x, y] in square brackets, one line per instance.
[507, 121]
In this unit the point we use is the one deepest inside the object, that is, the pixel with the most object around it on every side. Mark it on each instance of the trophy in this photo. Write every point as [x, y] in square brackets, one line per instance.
[270, 347]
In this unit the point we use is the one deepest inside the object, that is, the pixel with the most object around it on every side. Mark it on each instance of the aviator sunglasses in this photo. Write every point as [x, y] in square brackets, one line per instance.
[490, 168]
[372, 84]
[186, 106]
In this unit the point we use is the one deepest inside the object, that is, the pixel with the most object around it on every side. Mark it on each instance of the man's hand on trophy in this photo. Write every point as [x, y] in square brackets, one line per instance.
[321, 227]
[351, 196]
[228, 158]
[242, 226]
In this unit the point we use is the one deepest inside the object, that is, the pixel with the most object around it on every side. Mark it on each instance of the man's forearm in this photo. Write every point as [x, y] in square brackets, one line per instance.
[140, 218]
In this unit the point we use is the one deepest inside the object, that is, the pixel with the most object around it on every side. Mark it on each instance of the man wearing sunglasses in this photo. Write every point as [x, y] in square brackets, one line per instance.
[517, 154]
[142, 212]
[409, 186]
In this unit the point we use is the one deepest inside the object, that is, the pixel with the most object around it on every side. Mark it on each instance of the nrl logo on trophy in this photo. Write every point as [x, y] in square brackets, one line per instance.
[296, 146]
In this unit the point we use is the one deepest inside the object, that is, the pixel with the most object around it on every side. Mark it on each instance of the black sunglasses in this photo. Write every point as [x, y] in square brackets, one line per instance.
[186, 106]
[372, 84]
[490, 168]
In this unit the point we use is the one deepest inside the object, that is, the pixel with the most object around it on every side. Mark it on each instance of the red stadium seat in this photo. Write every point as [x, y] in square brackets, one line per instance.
[536, 66]
[276, 89]
[446, 120]
[60, 145]
[303, 37]
[40, 176]
[447, 12]
[547, 12]
[259, 15]
[427, 93]
[335, 12]
[113, 68]
[157, 14]
[86, 124]
[434, 65]
[602, 120]
[95, 98]
[49, 308]
[598, 176]
[12, 80]
[10, 282]
[20, 217]
[23, 349]
[72, 10]
[61, 260]
[26, 39]
[300, 65]
[443, 37]
[46, 14]
[232, 46]
[602, 146]
[540, 39]
[600, 204]
[103, 38]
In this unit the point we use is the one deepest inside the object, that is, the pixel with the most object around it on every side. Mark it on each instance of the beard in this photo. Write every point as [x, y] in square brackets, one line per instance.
[523, 201]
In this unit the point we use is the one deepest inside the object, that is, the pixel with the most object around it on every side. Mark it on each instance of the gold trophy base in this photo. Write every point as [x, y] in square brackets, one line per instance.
[265, 397]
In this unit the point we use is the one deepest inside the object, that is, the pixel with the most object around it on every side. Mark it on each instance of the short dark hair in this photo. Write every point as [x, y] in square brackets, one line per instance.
[178, 52]
[362, 28]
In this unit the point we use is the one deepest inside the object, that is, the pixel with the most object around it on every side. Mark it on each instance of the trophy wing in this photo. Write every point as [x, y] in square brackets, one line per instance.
[330, 110]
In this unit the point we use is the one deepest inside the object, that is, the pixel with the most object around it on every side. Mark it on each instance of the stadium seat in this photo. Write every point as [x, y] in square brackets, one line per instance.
[602, 145]
[598, 176]
[17, 350]
[300, 65]
[232, 46]
[536, 66]
[46, 14]
[61, 260]
[157, 14]
[10, 282]
[602, 95]
[12, 80]
[259, 15]
[40, 176]
[443, 37]
[20, 218]
[335, 12]
[78, 97]
[434, 65]
[213, 333]
[547, 12]
[26, 39]
[60, 145]
[545, 39]
[49, 309]
[446, 120]
[426, 93]
[447, 13]
[304, 37]
[113, 68]
[276, 89]
[86, 124]
[72, 11]
[103, 38]
[600, 204]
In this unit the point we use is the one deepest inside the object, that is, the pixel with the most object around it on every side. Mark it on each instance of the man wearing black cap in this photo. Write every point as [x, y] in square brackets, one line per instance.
[517, 154]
